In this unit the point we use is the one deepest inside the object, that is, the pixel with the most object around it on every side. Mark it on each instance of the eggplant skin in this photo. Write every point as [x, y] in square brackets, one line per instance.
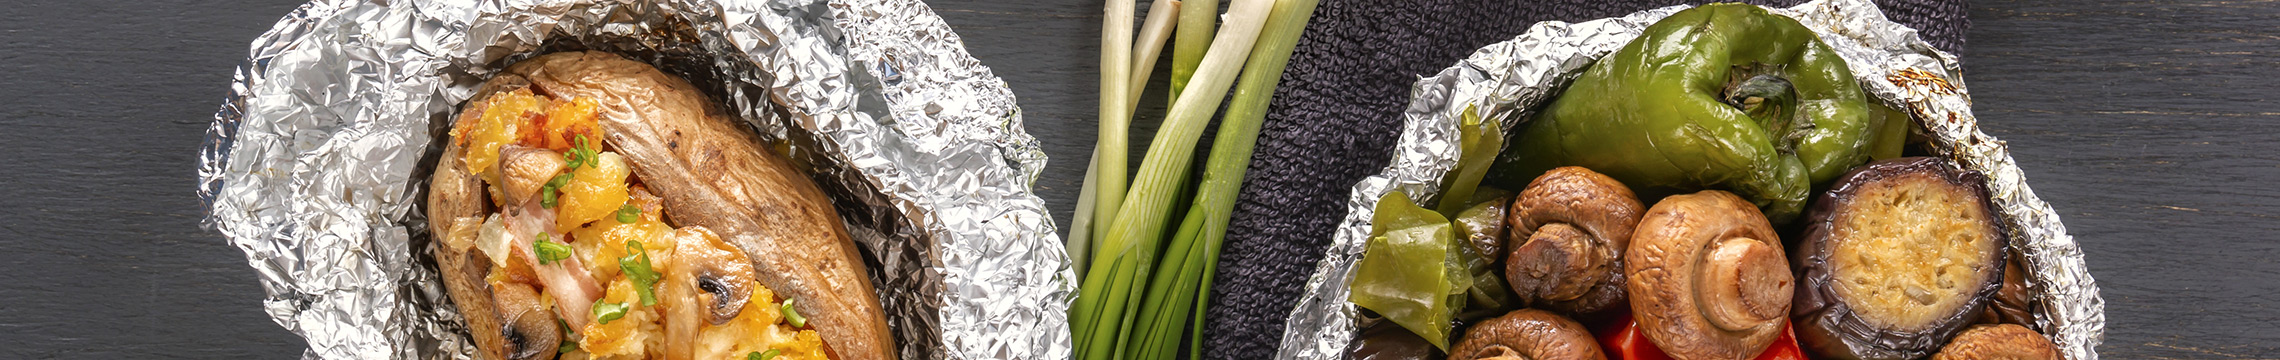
[711, 171]
[1834, 325]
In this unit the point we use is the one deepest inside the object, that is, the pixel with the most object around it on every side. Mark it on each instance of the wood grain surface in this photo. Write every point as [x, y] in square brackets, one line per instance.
[2150, 126]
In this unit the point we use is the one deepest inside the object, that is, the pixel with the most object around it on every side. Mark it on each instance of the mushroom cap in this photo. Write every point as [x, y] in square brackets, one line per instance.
[1707, 277]
[529, 328]
[1999, 342]
[1527, 334]
[1567, 233]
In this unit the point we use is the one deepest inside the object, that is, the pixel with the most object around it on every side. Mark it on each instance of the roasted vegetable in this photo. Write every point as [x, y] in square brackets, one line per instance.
[1568, 232]
[1625, 342]
[1898, 256]
[1999, 342]
[1478, 141]
[1707, 277]
[1721, 96]
[1411, 272]
[1482, 225]
[2012, 304]
[1527, 334]
[1384, 340]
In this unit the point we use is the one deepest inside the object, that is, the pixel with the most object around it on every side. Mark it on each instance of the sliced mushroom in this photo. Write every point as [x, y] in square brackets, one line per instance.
[1707, 277]
[705, 282]
[1568, 231]
[527, 169]
[530, 331]
[1999, 342]
[1527, 334]
[1898, 256]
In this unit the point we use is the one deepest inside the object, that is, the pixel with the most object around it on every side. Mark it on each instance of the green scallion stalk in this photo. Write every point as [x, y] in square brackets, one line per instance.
[1080, 225]
[1108, 304]
[1198, 18]
[1115, 121]
[1153, 33]
[1181, 288]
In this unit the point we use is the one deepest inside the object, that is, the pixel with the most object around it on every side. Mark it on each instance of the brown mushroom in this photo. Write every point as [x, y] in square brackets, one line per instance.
[530, 330]
[1707, 277]
[526, 170]
[2012, 304]
[1897, 257]
[1527, 334]
[1999, 342]
[1568, 231]
[705, 282]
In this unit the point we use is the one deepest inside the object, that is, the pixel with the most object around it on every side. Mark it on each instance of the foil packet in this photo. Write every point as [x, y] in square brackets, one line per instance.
[316, 164]
[1510, 80]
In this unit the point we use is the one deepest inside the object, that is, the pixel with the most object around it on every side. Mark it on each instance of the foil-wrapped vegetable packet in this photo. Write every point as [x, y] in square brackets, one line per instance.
[315, 165]
[1507, 81]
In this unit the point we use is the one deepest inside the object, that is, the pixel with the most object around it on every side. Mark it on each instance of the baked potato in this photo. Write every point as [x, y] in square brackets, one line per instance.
[587, 203]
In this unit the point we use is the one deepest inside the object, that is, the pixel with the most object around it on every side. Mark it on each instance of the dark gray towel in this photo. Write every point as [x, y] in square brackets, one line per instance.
[1334, 119]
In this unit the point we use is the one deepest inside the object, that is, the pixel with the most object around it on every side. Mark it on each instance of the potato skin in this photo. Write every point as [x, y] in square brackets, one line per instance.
[1829, 324]
[711, 172]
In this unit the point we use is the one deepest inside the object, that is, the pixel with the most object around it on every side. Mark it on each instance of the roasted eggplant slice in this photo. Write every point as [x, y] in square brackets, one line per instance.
[1707, 277]
[1999, 342]
[1528, 334]
[1898, 256]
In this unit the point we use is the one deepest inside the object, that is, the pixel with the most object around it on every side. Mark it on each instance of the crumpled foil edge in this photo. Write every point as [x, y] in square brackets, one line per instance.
[1509, 80]
[315, 164]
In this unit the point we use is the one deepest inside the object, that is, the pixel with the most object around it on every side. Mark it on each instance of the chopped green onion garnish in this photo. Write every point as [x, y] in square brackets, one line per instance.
[605, 311]
[547, 195]
[586, 152]
[793, 315]
[771, 354]
[574, 158]
[549, 251]
[636, 267]
[627, 214]
[567, 345]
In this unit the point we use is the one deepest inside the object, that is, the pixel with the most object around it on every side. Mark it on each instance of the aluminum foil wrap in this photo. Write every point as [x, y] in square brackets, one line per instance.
[1510, 80]
[316, 164]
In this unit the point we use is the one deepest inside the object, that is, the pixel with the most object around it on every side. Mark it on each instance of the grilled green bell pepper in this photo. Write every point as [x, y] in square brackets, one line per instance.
[1723, 96]
[1412, 272]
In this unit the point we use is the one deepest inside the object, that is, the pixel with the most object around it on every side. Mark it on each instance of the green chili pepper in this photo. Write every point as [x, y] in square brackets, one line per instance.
[1412, 272]
[1478, 141]
[1723, 96]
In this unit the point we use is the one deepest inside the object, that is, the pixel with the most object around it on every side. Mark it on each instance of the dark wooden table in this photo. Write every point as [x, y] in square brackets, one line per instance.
[2150, 126]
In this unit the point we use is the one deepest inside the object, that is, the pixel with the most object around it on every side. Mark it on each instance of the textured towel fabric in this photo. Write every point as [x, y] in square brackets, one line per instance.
[1334, 119]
